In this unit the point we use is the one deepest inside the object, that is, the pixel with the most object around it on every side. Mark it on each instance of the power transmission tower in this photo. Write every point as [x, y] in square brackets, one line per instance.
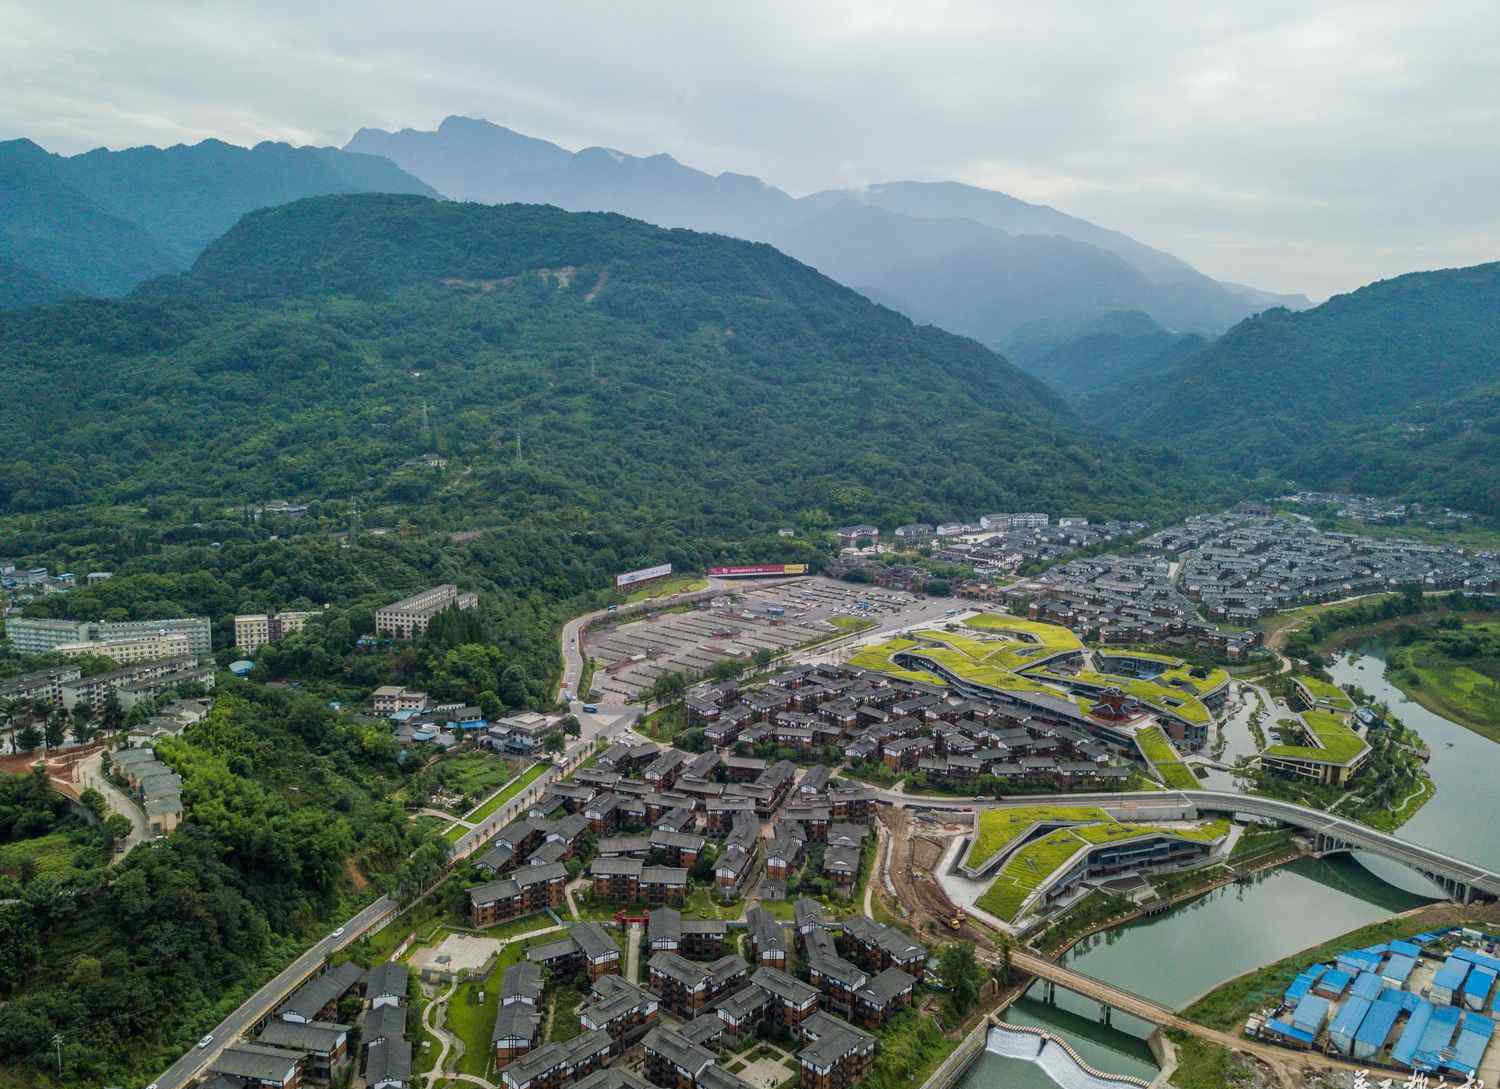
[353, 520]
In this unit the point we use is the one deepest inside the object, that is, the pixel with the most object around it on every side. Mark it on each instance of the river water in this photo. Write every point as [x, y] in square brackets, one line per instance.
[1177, 957]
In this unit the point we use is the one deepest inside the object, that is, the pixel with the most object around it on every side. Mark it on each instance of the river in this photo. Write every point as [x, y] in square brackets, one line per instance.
[1177, 957]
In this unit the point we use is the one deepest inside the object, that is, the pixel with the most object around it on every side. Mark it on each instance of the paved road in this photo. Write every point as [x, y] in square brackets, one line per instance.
[265, 1000]
[90, 774]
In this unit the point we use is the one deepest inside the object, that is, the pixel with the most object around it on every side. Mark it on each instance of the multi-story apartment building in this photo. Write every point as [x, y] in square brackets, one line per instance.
[254, 630]
[410, 616]
[141, 648]
[135, 683]
[43, 685]
[35, 635]
[554, 1065]
[530, 889]
[621, 1009]
[687, 989]
[838, 1055]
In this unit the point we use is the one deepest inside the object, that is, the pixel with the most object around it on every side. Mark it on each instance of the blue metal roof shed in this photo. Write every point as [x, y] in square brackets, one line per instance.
[1411, 1036]
[1449, 981]
[1441, 1029]
[1477, 987]
[1366, 986]
[1346, 1023]
[1302, 984]
[1310, 1014]
[1473, 1038]
[1333, 983]
[1359, 960]
[1290, 1032]
[1375, 1029]
[1405, 949]
[1396, 972]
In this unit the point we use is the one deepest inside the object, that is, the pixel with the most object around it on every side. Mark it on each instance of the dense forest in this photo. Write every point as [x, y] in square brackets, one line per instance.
[1388, 390]
[565, 363]
[288, 826]
[1077, 357]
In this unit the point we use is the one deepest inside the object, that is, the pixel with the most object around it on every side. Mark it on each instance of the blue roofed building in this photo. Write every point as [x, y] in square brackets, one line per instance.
[1478, 986]
[1397, 969]
[1449, 981]
[1302, 984]
[1311, 1014]
[1442, 1026]
[1367, 985]
[1474, 1036]
[1346, 1023]
[1289, 1033]
[1375, 1029]
[1404, 1053]
[1405, 949]
[1332, 983]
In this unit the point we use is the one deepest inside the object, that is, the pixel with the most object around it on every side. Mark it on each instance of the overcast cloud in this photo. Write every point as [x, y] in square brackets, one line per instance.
[1293, 146]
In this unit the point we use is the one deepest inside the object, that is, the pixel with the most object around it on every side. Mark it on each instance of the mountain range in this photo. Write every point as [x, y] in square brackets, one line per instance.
[1391, 389]
[975, 261]
[705, 383]
[101, 222]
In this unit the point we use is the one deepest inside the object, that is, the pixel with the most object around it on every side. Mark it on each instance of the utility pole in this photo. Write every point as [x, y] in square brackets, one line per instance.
[353, 520]
[57, 1039]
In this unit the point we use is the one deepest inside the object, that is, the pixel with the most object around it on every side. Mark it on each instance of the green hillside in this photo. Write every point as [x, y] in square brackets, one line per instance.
[50, 229]
[1325, 395]
[1077, 357]
[26, 287]
[714, 385]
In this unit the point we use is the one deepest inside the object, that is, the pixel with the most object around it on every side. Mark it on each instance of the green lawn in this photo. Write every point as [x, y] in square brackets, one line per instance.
[1327, 693]
[851, 623]
[520, 783]
[475, 774]
[455, 832]
[51, 854]
[565, 1003]
[473, 1021]
[1163, 757]
[677, 584]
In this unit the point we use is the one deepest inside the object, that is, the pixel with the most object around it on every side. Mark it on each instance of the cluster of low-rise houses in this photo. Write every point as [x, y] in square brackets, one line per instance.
[1182, 583]
[907, 725]
[696, 1003]
[304, 1040]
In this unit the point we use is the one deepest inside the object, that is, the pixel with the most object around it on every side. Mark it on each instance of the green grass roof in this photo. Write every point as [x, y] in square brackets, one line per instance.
[1323, 692]
[1336, 743]
[999, 828]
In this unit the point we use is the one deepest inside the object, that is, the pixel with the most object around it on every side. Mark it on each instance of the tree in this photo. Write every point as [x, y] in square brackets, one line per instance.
[93, 801]
[83, 722]
[571, 726]
[117, 827]
[56, 731]
[553, 742]
[961, 976]
[29, 737]
[114, 714]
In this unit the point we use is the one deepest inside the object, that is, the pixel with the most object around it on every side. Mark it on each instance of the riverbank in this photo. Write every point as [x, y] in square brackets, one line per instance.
[1228, 1005]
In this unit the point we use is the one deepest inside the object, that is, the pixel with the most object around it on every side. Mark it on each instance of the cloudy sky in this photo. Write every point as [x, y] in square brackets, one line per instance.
[1293, 146]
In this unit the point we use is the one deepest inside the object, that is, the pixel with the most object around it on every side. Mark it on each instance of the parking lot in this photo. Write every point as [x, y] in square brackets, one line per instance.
[750, 617]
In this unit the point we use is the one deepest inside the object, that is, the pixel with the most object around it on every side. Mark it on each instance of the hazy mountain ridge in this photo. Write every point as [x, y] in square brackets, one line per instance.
[104, 221]
[477, 160]
[1076, 358]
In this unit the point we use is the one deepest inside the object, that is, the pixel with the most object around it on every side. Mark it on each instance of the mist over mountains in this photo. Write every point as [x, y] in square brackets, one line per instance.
[972, 260]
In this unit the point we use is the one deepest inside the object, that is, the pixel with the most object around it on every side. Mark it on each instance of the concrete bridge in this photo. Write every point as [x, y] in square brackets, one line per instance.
[1459, 880]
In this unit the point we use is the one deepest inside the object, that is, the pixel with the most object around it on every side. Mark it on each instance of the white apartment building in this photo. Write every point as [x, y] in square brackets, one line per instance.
[254, 630]
[410, 616]
[142, 648]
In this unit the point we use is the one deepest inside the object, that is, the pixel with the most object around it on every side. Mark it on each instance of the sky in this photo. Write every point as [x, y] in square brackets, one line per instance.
[1292, 146]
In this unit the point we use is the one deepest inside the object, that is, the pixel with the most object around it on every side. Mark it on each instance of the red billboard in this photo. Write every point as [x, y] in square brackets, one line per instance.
[758, 569]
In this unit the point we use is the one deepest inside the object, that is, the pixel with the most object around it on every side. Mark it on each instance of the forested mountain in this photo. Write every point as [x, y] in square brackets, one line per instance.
[49, 228]
[1388, 389]
[1077, 357]
[911, 245]
[27, 287]
[102, 222]
[321, 346]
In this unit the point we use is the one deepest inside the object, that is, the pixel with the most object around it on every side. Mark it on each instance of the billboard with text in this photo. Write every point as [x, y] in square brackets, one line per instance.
[755, 570]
